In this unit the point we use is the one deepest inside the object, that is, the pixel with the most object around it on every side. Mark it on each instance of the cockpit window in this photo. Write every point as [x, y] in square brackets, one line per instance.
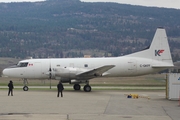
[22, 64]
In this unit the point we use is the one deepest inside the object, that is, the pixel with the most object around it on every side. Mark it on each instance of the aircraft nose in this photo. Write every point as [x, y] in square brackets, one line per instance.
[5, 72]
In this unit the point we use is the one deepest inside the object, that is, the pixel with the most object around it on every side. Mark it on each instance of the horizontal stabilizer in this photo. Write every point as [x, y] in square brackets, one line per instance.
[163, 66]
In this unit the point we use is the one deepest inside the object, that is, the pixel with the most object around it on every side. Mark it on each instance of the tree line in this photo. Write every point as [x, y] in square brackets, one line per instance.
[54, 28]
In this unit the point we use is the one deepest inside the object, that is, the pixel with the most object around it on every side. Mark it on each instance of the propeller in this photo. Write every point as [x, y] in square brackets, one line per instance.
[50, 74]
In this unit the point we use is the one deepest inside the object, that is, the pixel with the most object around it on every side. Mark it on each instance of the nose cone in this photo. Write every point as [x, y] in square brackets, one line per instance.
[5, 72]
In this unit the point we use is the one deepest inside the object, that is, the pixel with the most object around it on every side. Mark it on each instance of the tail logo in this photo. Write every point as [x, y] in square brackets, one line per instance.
[158, 52]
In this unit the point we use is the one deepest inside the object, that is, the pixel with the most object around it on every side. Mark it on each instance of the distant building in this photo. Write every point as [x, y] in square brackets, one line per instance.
[87, 56]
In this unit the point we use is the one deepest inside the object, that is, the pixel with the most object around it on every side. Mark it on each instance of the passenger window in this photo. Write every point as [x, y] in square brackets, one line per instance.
[85, 65]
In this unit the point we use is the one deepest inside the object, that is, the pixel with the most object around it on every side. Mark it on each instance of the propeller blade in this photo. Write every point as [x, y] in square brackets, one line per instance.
[50, 75]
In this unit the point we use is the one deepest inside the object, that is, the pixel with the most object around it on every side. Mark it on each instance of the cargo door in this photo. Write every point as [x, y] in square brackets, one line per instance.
[37, 69]
[33, 70]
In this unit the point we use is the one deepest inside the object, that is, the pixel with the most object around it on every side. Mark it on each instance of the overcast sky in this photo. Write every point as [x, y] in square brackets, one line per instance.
[20, 0]
[157, 3]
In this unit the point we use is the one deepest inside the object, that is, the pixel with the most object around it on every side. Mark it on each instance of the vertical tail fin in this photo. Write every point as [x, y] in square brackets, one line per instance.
[160, 46]
[158, 50]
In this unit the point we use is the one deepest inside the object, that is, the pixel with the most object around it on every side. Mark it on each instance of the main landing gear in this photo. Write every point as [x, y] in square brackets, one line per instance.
[87, 87]
[25, 88]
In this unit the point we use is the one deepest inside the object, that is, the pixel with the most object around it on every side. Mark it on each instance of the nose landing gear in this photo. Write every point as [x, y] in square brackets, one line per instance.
[25, 88]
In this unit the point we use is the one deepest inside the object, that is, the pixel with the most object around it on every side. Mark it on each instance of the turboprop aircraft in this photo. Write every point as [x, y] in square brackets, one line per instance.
[155, 58]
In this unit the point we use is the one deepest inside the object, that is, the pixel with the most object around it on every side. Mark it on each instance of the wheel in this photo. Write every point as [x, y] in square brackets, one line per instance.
[77, 87]
[25, 88]
[87, 88]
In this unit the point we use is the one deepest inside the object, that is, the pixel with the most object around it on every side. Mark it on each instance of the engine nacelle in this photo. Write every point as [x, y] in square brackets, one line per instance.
[66, 72]
[70, 73]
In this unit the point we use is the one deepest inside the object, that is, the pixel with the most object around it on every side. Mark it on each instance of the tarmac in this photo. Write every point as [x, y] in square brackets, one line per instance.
[80, 105]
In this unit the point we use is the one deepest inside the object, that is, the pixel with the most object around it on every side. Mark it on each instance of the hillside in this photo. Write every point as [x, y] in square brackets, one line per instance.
[70, 28]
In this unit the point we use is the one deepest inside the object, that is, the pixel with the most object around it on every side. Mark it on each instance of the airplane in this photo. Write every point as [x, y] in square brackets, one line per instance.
[155, 58]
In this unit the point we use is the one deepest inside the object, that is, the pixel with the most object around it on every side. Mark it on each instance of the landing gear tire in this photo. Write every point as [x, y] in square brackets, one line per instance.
[77, 87]
[25, 88]
[87, 88]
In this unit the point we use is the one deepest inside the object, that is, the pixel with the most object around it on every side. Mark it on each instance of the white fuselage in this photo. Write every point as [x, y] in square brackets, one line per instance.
[124, 66]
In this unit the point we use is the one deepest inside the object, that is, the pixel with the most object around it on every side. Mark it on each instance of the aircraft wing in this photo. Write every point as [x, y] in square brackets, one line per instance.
[95, 72]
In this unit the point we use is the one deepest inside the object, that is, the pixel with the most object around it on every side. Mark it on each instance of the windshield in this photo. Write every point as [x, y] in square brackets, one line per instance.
[22, 64]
